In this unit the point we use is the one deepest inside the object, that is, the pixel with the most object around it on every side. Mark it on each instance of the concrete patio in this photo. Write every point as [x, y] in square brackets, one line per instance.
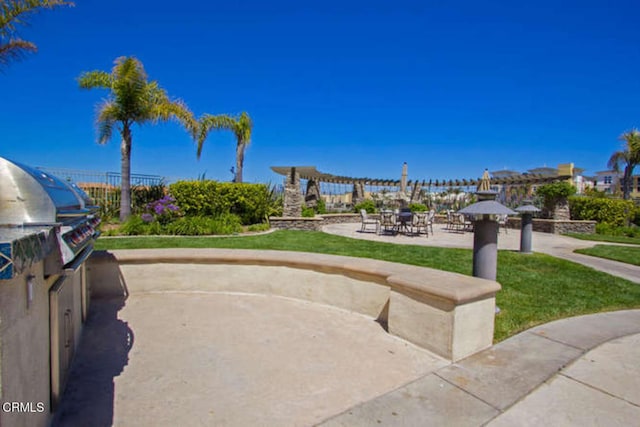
[196, 358]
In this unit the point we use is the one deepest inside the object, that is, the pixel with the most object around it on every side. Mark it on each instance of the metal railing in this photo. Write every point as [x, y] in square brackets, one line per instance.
[104, 187]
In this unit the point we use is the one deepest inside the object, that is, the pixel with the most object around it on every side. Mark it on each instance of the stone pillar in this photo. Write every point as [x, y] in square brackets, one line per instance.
[358, 193]
[558, 210]
[313, 193]
[292, 195]
[561, 210]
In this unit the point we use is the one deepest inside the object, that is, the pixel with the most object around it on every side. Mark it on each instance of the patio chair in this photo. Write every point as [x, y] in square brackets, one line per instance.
[388, 222]
[454, 222]
[502, 222]
[419, 223]
[431, 216]
[367, 221]
[465, 223]
[451, 220]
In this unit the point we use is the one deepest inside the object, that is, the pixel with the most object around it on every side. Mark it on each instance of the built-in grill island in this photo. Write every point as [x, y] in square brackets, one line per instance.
[47, 231]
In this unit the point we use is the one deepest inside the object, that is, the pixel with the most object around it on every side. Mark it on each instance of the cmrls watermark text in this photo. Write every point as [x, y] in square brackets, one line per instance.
[23, 407]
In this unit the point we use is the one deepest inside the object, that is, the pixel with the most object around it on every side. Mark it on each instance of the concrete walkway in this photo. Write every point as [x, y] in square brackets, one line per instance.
[552, 244]
[581, 371]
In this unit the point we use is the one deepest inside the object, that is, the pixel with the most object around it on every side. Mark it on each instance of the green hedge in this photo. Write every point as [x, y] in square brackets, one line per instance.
[207, 198]
[417, 207]
[367, 204]
[614, 212]
[185, 226]
[550, 194]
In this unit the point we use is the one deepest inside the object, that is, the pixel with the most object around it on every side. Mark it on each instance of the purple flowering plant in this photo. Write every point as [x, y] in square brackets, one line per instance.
[162, 210]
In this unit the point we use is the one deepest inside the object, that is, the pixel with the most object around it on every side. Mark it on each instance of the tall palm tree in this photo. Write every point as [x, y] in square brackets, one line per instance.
[629, 156]
[240, 126]
[14, 13]
[132, 100]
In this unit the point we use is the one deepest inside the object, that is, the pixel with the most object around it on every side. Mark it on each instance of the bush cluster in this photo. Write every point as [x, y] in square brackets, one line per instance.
[367, 204]
[206, 198]
[417, 207]
[611, 230]
[613, 212]
[184, 226]
[554, 192]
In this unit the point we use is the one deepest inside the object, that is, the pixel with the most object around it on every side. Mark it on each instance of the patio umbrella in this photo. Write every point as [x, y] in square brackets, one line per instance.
[485, 183]
[403, 179]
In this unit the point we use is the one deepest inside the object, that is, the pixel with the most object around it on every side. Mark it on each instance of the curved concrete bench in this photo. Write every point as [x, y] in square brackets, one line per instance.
[447, 313]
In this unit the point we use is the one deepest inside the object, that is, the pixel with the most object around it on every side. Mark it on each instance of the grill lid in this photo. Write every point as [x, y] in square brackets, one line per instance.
[29, 196]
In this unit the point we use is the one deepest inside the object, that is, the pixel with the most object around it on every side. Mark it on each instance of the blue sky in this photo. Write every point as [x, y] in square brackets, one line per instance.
[354, 88]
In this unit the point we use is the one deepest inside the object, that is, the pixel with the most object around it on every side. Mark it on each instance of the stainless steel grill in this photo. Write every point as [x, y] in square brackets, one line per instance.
[47, 230]
[31, 199]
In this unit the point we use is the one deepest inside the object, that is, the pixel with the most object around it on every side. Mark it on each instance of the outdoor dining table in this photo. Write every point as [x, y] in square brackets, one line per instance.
[403, 221]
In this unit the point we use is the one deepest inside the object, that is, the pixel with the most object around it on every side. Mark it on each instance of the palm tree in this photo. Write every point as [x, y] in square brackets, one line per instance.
[629, 156]
[132, 100]
[14, 13]
[240, 126]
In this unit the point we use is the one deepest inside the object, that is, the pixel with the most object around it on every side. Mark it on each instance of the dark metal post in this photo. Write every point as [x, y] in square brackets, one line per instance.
[485, 236]
[526, 230]
[526, 233]
[485, 248]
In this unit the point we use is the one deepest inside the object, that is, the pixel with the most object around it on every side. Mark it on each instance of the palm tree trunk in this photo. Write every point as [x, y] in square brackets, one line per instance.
[626, 183]
[125, 178]
[239, 161]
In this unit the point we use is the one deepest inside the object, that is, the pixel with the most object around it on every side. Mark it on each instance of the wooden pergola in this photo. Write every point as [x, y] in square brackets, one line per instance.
[311, 173]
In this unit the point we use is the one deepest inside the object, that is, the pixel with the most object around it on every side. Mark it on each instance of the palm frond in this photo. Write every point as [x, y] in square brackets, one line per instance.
[107, 116]
[209, 122]
[14, 12]
[95, 79]
[243, 129]
[176, 110]
[617, 159]
[15, 49]
[631, 141]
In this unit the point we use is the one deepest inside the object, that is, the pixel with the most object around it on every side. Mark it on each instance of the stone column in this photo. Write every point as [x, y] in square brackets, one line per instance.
[358, 193]
[561, 210]
[313, 194]
[292, 195]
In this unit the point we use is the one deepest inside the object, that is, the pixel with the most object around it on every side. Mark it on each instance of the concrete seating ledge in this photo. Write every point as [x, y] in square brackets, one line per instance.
[447, 313]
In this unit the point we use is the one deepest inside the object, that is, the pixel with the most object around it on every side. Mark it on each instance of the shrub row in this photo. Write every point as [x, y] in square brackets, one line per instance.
[611, 230]
[613, 212]
[185, 226]
[250, 202]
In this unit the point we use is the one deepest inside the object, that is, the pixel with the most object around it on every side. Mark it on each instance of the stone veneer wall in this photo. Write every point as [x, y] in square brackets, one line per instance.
[343, 218]
[358, 193]
[555, 226]
[296, 223]
[292, 196]
[313, 194]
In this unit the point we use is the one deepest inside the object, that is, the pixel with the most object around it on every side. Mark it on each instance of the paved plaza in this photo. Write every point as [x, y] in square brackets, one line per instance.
[209, 359]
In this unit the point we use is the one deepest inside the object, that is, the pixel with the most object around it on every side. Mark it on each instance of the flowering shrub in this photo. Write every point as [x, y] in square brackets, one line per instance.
[162, 210]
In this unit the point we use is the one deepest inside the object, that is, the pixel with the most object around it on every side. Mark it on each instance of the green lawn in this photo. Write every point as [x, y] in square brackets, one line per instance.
[628, 254]
[605, 238]
[536, 288]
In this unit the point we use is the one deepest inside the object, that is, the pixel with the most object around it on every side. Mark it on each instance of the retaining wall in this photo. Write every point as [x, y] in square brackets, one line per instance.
[447, 313]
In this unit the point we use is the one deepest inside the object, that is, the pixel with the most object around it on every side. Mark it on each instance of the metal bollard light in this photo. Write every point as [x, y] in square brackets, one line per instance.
[485, 237]
[526, 231]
